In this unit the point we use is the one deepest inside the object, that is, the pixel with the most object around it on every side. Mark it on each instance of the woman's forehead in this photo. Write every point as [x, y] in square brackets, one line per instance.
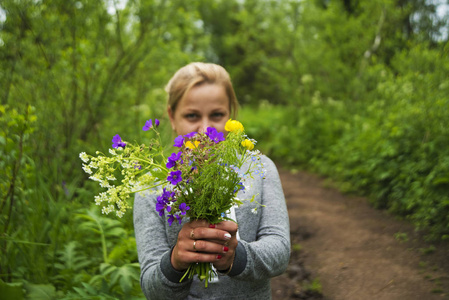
[205, 96]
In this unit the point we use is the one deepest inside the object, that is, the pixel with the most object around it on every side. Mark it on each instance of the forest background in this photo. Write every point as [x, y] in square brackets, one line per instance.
[357, 91]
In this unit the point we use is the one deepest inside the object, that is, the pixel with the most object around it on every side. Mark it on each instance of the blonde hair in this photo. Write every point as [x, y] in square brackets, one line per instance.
[195, 74]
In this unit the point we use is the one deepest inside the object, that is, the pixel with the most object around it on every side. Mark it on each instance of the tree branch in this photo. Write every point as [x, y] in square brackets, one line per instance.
[376, 43]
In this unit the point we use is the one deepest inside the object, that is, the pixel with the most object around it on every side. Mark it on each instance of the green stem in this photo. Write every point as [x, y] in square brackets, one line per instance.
[147, 188]
[160, 143]
[148, 162]
[103, 241]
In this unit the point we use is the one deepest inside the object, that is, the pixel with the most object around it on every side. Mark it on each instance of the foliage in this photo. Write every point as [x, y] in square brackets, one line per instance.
[391, 147]
[16, 128]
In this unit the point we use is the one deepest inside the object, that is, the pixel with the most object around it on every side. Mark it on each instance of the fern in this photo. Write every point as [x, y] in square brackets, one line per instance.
[96, 226]
[70, 265]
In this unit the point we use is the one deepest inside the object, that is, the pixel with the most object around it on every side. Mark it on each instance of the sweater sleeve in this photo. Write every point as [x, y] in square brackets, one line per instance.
[269, 254]
[158, 279]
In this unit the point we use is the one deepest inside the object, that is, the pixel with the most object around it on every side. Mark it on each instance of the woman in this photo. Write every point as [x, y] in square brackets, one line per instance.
[246, 254]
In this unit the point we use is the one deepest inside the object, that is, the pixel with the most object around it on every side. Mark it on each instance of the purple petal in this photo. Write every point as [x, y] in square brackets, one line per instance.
[179, 141]
[117, 142]
[175, 177]
[190, 135]
[148, 125]
[179, 219]
[170, 219]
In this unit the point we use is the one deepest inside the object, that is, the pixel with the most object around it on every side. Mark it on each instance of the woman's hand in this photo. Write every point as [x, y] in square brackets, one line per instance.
[199, 241]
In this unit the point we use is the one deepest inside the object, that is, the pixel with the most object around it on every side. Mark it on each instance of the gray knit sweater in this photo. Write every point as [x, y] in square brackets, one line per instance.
[262, 252]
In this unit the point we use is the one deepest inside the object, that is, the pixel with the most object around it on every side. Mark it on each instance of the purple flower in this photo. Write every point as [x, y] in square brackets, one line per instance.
[179, 141]
[163, 200]
[160, 206]
[214, 135]
[148, 125]
[190, 135]
[175, 177]
[183, 208]
[179, 219]
[137, 165]
[117, 142]
[170, 219]
[173, 158]
[156, 122]
[167, 194]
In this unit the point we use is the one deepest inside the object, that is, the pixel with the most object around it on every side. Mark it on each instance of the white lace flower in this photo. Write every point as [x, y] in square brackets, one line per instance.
[109, 209]
[100, 198]
[84, 157]
[105, 184]
[96, 177]
[87, 169]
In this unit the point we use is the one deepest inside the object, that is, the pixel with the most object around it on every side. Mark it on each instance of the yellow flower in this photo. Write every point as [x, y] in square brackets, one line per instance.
[248, 144]
[191, 145]
[233, 125]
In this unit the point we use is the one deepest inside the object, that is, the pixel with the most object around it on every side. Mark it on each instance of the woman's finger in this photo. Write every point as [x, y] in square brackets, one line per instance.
[205, 233]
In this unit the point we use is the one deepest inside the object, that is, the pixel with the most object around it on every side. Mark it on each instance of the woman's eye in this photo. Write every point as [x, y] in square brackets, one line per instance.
[218, 115]
[191, 116]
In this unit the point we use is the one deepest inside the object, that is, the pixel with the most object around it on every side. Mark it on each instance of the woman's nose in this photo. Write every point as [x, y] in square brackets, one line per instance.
[204, 124]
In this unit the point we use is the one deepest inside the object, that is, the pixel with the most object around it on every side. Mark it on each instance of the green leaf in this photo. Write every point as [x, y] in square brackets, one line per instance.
[107, 269]
[40, 291]
[440, 181]
[11, 290]
[126, 275]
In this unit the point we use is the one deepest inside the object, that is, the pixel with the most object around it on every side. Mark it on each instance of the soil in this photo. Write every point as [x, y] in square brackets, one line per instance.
[344, 249]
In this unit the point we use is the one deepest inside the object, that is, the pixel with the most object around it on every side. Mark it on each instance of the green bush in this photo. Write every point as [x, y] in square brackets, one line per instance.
[392, 146]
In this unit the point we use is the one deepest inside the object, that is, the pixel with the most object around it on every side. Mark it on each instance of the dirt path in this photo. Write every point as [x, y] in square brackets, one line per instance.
[354, 251]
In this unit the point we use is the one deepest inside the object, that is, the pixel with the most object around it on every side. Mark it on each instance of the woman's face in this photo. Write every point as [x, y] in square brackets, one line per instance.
[205, 105]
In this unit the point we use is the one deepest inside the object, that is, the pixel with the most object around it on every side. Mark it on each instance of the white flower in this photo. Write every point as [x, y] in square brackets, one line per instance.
[84, 157]
[254, 210]
[100, 198]
[111, 177]
[112, 151]
[105, 184]
[87, 169]
[127, 165]
[186, 192]
[107, 209]
[96, 177]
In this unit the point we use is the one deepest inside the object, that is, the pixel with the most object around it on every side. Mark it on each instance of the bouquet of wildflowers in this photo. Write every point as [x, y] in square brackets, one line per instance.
[199, 180]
